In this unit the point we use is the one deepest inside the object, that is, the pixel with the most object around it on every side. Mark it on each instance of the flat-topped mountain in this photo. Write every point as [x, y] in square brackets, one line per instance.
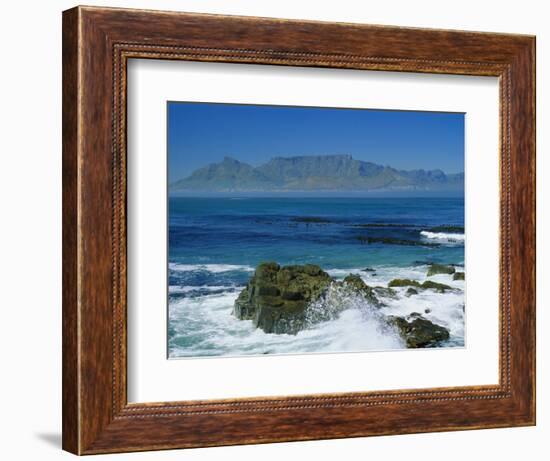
[314, 173]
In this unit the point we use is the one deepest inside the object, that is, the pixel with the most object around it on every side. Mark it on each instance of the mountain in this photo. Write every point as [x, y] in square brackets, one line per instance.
[230, 174]
[314, 173]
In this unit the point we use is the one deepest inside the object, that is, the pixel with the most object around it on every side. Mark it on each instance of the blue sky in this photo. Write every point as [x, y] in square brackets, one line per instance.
[203, 133]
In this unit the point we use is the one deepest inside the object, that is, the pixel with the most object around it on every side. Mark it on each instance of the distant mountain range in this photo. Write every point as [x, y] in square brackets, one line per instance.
[314, 173]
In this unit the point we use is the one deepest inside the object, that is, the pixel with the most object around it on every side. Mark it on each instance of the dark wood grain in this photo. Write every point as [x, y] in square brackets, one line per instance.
[70, 384]
[97, 43]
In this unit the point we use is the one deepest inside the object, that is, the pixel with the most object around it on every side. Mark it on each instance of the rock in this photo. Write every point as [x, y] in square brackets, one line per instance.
[458, 276]
[428, 284]
[368, 269]
[243, 309]
[427, 311]
[385, 292]
[403, 283]
[447, 229]
[276, 298]
[395, 241]
[310, 220]
[441, 287]
[411, 291]
[440, 269]
[419, 332]
[357, 284]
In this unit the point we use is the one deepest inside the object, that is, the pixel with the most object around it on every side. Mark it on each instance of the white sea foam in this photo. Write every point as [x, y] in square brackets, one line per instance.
[443, 236]
[207, 327]
[340, 273]
[213, 268]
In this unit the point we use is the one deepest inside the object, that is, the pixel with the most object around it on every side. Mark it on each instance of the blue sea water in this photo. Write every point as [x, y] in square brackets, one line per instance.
[215, 243]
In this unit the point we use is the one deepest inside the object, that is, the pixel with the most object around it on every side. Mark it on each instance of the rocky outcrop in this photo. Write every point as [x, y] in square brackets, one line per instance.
[441, 287]
[440, 269]
[395, 241]
[458, 276]
[276, 297]
[418, 331]
[355, 283]
[385, 292]
[428, 284]
[403, 283]
[285, 300]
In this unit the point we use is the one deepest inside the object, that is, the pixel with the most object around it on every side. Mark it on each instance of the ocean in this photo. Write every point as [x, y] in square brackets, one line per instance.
[216, 242]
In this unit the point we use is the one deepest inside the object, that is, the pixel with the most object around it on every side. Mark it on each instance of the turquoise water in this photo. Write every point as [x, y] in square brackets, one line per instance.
[215, 243]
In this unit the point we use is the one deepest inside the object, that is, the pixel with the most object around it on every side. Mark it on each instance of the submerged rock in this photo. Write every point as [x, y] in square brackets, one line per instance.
[458, 276]
[276, 298]
[310, 220]
[440, 269]
[395, 241]
[411, 291]
[418, 331]
[447, 229]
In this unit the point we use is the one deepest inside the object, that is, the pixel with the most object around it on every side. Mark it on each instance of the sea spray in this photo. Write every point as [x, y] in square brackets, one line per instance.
[339, 298]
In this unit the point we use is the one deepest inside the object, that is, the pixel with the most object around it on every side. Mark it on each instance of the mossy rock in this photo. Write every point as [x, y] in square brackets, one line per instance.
[441, 287]
[243, 309]
[418, 332]
[276, 297]
[357, 284]
[403, 283]
[440, 269]
[267, 271]
[458, 276]
[428, 284]
[385, 292]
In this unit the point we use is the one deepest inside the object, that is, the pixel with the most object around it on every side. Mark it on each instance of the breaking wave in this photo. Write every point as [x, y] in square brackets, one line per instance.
[443, 237]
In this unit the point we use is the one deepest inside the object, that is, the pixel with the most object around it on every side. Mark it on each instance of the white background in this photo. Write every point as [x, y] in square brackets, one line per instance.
[30, 243]
[153, 378]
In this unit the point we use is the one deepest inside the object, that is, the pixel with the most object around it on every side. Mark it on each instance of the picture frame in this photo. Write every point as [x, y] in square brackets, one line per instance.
[97, 45]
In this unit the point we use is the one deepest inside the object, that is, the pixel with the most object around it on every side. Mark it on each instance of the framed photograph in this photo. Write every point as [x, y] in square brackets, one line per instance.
[282, 230]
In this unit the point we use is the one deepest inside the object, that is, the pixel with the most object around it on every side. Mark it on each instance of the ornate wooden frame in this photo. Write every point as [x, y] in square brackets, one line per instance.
[97, 43]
